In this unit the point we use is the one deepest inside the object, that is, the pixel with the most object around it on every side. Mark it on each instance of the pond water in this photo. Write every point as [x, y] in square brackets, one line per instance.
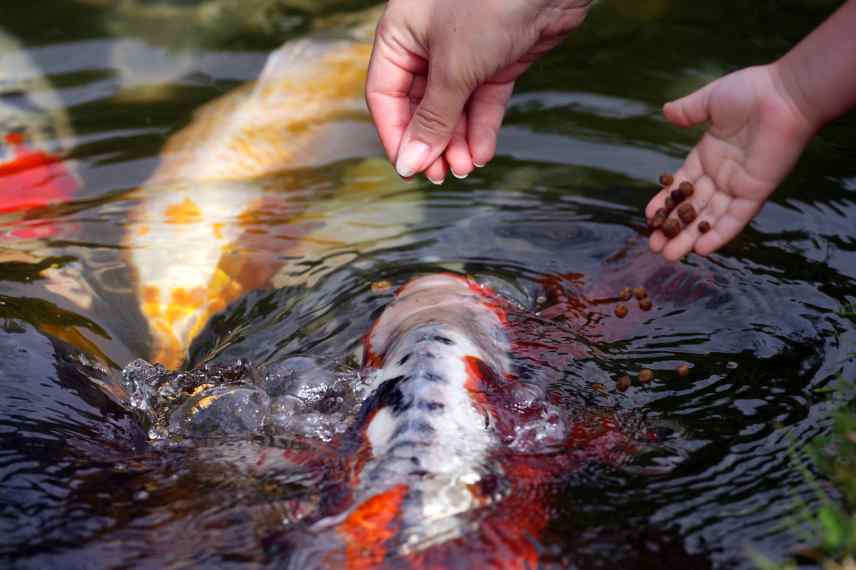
[765, 324]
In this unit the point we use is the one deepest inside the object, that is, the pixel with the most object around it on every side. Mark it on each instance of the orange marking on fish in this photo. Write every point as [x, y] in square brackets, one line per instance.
[185, 212]
[169, 351]
[151, 300]
[217, 228]
[143, 230]
[477, 373]
[369, 526]
[183, 302]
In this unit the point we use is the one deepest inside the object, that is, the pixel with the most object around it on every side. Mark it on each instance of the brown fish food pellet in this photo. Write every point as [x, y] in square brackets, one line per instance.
[623, 383]
[704, 226]
[625, 294]
[658, 219]
[640, 293]
[686, 189]
[645, 304]
[686, 213]
[676, 196]
[683, 371]
[666, 180]
[669, 204]
[671, 228]
[621, 311]
[646, 375]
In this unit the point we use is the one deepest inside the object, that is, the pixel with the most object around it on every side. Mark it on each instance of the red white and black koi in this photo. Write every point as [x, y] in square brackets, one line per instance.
[427, 445]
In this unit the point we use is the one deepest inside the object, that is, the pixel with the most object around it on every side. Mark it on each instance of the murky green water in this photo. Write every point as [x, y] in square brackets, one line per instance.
[761, 322]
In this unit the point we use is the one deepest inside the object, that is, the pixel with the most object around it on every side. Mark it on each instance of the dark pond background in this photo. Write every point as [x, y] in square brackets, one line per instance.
[764, 322]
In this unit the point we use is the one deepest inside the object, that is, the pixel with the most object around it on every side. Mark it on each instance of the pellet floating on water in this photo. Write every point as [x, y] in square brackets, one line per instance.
[671, 228]
[683, 371]
[621, 311]
[646, 304]
[640, 293]
[646, 375]
[704, 226]
[626, 294]
[623, 383]
[686, 213]
[686, 188]
[666, 180]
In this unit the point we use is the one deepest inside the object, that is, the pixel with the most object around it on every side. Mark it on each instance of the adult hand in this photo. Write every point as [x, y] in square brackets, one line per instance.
[442, 72]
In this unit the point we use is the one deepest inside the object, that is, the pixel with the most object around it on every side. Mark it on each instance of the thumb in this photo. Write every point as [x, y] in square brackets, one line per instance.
[431, 127]
[690, 110]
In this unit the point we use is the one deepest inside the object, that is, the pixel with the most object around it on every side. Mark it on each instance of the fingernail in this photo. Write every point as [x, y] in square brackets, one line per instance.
[436, 182]
[477, 165]
[410, 158]
[459, 176]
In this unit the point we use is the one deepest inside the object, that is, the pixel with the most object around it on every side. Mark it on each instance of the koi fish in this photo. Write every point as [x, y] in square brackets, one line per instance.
[34, 135]
[219, 215]
[435, 457]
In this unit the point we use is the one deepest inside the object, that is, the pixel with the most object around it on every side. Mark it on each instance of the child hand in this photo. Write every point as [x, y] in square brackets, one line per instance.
[756, 134]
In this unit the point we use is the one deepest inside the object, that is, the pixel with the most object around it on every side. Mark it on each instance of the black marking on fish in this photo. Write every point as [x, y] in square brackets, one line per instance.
[430, 405]
[406, 443]
[445, 340]
[405, 358]
[422, 426]
[434, 378]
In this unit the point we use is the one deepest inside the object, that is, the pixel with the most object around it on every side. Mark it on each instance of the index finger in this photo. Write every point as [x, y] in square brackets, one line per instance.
[391, 73]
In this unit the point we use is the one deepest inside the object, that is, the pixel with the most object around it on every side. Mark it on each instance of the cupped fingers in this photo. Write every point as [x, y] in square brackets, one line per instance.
[689, 172]
[458, 152]
[486, 110]
[734, 215]
[436, 173]
[706, 205]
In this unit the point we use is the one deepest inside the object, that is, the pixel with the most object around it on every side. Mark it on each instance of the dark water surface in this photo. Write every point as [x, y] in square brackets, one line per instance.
[764, 323]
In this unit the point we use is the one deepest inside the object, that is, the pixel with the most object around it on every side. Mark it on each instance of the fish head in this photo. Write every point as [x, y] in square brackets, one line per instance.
[443, 299]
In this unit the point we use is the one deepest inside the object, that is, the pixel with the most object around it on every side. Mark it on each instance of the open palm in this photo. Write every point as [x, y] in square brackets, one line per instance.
[756, 134]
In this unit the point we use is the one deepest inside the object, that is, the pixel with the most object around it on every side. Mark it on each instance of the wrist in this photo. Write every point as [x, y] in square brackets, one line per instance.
[789, 83]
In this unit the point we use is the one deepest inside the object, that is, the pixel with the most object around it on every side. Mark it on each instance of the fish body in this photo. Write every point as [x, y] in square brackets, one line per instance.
[214, 221]
[434, 478]
[34, 136]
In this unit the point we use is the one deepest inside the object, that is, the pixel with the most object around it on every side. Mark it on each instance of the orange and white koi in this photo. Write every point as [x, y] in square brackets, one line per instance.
[433, 481]
[199, 239]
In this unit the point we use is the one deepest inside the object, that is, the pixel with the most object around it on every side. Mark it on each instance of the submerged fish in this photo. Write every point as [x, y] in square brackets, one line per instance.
[34, 136]
[218, 217]
[436, 463]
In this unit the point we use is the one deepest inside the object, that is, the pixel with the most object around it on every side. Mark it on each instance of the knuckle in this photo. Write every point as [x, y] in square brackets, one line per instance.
[430, 120]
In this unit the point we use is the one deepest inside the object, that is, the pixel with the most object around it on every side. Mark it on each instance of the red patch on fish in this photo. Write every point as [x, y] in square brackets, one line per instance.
[368, 527]
[33, 179]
